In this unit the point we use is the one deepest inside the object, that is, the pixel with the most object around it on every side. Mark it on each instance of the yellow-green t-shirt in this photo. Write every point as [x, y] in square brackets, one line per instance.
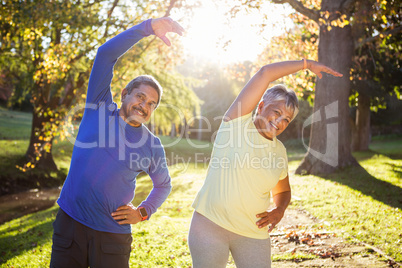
[243, 169]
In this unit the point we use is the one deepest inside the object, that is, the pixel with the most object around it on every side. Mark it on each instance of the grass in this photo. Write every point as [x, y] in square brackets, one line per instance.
[15, 129]
[12, 153]
[298, 256]
[361, 203]
[15, 125]
[160, 242]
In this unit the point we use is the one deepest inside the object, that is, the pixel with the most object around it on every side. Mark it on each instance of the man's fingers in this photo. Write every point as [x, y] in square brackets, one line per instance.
[166, 40]
[122, 207]
[123, 222]
[165, 26]
[121, 212]
[120, 217]
[177, 28]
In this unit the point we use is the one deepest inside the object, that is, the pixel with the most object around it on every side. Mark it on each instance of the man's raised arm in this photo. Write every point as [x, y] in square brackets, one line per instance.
[109, 52]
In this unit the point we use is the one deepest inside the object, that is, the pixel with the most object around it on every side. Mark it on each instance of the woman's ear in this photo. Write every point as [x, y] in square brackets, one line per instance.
[260, 106]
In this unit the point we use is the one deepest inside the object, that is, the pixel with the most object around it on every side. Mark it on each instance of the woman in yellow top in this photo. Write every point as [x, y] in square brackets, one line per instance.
[247, 163]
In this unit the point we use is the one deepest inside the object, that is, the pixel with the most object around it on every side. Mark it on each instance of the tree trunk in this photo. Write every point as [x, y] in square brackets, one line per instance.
[36, 153]
[329, 148]
[173, 131]
[361, 133]
[361, 139]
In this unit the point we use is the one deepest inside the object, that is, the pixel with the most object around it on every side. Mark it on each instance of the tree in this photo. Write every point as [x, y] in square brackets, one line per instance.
[330, 136]
[47, 48]
[376, 69]
[216, 91]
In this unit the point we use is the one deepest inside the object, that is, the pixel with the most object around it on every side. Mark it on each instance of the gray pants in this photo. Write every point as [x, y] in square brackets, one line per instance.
[76, 245]
[210, 245]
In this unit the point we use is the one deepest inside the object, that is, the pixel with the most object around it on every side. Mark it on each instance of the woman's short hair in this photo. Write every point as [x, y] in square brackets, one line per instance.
[145, 80]
[281, 93]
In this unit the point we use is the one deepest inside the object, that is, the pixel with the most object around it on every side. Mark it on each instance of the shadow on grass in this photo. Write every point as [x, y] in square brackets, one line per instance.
[359, 179]
[37, 228]
[14, 180]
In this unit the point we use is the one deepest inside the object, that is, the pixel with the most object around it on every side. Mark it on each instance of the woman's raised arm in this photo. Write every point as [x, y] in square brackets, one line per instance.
[251, 94]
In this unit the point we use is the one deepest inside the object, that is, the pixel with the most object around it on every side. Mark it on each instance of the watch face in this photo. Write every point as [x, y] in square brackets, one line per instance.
[143, 212]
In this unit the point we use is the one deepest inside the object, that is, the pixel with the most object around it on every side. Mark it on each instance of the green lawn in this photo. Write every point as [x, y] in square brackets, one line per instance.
[160, 242]
[360, 203]
[364, 203]
[15, 125]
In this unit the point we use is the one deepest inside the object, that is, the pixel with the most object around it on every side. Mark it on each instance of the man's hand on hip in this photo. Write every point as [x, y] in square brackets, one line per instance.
[127, 214]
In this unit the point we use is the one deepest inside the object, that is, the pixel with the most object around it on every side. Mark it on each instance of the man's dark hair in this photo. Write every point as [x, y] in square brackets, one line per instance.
[145, 80]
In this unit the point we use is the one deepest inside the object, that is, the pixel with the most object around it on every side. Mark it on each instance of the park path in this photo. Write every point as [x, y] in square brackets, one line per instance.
[297, 233]
[16, 205]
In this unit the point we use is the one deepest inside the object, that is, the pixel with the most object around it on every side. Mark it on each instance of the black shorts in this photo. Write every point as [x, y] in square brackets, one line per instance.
[76, 245]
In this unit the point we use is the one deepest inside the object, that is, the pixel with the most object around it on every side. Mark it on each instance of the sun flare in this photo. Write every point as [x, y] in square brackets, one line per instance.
[211, 33]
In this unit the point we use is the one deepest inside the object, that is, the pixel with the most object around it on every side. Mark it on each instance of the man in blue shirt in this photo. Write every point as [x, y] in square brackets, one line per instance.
[93, 225]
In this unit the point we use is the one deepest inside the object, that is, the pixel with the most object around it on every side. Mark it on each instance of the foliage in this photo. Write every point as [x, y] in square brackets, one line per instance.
[376, 70]
[178, 106]
[47, 49]
[217, 89]
[383, 50]
[297, 43]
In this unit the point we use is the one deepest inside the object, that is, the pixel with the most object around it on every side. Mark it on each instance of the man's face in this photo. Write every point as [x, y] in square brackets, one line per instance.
[272, 119]
[138, 106]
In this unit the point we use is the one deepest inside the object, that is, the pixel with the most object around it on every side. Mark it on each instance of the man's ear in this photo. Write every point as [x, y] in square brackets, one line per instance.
[123, 94]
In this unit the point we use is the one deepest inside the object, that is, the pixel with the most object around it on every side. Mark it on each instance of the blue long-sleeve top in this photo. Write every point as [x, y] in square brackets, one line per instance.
[108, 153]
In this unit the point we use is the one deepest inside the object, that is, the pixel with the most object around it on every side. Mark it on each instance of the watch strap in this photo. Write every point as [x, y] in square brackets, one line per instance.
[143, 217]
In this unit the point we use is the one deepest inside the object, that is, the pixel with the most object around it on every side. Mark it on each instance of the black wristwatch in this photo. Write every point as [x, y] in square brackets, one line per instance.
[143, 213]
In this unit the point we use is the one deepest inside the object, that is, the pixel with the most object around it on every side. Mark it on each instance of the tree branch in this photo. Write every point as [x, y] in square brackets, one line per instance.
[69, 89]
[109, 15]
[299, 7]
[378, 36]
[171, 4]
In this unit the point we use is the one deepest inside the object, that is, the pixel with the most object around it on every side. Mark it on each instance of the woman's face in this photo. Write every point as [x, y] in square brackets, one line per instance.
[272, 119]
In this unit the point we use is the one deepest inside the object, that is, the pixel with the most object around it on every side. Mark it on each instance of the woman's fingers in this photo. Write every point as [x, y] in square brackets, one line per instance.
[319, 68]
[269, 218]
[332, 71]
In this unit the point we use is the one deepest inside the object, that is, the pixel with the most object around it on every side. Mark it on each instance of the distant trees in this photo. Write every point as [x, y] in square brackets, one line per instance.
[215, 89]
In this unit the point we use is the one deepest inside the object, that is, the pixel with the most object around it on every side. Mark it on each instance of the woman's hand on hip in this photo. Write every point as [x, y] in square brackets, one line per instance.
[270, 218]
